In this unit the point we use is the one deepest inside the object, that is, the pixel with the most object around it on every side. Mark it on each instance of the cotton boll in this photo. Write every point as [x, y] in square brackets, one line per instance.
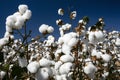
[10, 21]
[43, 28]
[106, 57]
[7, 35]
[67, 37]
[19, 23]
[92, 38]
[72, 42]
[16, 14]
[66, 49]
[8, 29]
[117, 43]
[73, 15]
[2, 74]
[68, 26]
[66, 68]
[41, 74]
[22, 62]
[33, 66]
[95, 53]
[60, 11]
[90, 69]
[57, 65]
[45, 62]
[4, 41]
[99, 35]
[66, 58]
[22, 8]
[50, 29]
[27, 15]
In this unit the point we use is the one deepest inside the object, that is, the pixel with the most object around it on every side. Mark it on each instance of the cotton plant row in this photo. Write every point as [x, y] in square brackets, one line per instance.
[83, 54]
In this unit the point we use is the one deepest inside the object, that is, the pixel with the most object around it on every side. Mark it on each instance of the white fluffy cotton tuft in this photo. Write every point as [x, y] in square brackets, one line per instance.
[27, 15]
[60, 11]
[43, 28]
[22, 8]
[45, 62]
[50, 29]
[33, 67]
[66, 58]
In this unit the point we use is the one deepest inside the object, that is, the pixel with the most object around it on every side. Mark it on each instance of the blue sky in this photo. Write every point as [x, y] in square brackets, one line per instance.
[45, 12]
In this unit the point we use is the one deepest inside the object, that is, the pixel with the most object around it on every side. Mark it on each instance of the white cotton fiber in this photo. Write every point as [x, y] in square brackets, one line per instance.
[22, 8]
[60, 11]
[8, 29]
[66, 58]
[45, 62]
[50, 29]
[2, 74]
[4, 41]
[66, 49]
[27, 15]
[99, 35]
[57, 65]
[41, 74]
[90, 69]
[19, 23]
[33, 66]
[66, 68]
[22, 62]
[43, 28]
[117, 43]
[72, 42]
[106, 57]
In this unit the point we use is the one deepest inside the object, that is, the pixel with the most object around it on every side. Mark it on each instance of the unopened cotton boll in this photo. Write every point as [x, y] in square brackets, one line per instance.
[22, 8]
[60, 11]
[43, 28]
[33, 66]
[27, 15]
[45, 62]
[66, 68]
[90, 69]
[66, 58]
[50, 29]
[2, 74]
[106, 57]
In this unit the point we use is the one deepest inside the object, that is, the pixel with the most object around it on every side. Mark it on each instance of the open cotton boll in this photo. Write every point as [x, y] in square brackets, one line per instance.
[4, 41]
[66, 49]
[66, 58]
[73, 15]
[57, 65]
[92, 38]
[2, 74]
[50, 29]
[8, 29]
[60, 11]
[22, 62]
[19, 23]
[43, 28]
[95, 53]
[106, 57]
[50, 37]
[68, 26]
[45, 62]
[72, 42]
[10, 21]
[7, 34]
[27, 15]
[41, 74]
[22, 8]
[117, 43]
[33, 66]
[66, 68]
[90, 69]
[67, 37]
[99, 35]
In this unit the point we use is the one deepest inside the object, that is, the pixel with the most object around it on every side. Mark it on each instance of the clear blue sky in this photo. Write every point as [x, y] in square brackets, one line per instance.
[45, 11]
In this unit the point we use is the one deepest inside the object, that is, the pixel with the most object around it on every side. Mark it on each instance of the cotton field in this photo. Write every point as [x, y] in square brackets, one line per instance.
[79, 54]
